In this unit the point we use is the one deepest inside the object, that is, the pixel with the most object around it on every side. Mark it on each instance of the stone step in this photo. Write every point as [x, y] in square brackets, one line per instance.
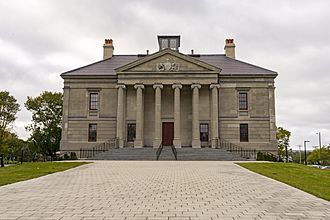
[187, 154]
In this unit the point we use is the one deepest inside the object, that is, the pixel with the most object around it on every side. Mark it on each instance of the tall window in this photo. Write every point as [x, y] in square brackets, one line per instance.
[204, 132]
[243, 101]
[93, 101]
[244, 132]
[92, 132]
[131, 131]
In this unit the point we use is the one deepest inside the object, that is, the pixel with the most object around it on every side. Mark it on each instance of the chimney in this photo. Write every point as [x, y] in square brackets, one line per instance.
[107, 49]
[230, 48]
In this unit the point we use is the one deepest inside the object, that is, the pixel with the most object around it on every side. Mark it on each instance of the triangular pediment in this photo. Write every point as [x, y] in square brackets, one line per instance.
[168, 61]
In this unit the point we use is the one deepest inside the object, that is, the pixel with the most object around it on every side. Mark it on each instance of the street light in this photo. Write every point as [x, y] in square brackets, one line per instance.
[319, 133]
[305, 152]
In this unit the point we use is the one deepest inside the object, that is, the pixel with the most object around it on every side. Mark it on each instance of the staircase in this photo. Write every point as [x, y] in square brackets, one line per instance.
[183, 154]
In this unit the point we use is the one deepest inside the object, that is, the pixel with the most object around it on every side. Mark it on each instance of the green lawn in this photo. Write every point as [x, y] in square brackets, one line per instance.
[308, 179]
[12, 174]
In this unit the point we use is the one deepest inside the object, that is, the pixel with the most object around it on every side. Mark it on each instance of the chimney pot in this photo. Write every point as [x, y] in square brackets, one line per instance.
[107, 49]
[147, 52]
[192, 52]
[230, 48]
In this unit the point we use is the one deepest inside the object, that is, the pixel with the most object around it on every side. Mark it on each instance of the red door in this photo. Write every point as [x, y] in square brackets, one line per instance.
[168, 133]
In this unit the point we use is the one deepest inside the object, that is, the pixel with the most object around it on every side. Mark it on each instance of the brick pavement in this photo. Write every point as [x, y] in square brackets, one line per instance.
[157, 190]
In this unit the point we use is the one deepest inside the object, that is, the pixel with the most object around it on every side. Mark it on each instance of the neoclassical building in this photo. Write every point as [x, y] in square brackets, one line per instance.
[185, 100]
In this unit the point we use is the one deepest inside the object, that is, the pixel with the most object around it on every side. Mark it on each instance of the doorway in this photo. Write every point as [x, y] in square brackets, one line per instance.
[168, 133]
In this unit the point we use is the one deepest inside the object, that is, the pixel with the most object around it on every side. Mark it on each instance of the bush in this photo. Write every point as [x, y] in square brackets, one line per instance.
[261, 156]
[70, 156]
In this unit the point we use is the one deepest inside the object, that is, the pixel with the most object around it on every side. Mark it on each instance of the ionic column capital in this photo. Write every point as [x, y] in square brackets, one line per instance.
[198, 86]
[155, 86]
[122, 86]
[138, 86]
[176, 85]
[214, 86]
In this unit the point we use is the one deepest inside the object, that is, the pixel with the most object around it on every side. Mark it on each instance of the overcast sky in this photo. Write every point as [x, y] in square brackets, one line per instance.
[41, 39]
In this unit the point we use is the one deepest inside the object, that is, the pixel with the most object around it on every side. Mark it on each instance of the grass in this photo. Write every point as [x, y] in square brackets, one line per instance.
[25, 171]
[309, 179]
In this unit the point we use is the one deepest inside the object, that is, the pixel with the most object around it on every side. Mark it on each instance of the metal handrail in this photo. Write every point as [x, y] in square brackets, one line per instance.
[175, 153]
[102, 147]
[243, 152]
[159, 151]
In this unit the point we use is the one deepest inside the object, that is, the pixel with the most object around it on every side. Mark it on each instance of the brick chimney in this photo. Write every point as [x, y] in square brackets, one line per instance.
[230, 48]
[107, 49]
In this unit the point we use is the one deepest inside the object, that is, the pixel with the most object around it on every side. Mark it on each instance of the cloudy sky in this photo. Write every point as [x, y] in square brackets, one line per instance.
[41, 39]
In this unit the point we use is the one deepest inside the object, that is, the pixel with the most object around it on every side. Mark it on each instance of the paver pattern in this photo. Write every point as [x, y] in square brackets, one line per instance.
[157, 190]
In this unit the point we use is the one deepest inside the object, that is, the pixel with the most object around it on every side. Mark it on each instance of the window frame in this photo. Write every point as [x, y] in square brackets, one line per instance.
[243, 101]
[94, 103]
[92, 133]
[244, 132]
[131, 137]
[204, 138]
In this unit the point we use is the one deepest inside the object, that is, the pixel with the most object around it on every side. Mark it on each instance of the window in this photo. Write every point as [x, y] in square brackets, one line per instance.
[173, 44]
[164, 43]
[131, 130]
[204, 132]
[244, 132]
[92, 133]
[243, 101]
[93, 101]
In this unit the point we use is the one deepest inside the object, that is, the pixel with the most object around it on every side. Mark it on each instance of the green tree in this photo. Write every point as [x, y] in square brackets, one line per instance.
[283, 139]
[325, 156]
[46, 121]
[8, 111]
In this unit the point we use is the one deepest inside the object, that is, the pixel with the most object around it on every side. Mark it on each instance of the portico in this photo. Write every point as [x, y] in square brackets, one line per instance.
[175, 117]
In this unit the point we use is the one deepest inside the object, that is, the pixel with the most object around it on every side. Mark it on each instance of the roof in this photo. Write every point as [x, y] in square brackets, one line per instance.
[228, 66]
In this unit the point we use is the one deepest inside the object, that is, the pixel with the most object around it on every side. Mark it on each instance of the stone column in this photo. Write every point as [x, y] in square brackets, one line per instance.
[214, 115]
[120, 115]
[66, 95]
[177, 116]
[158, 125]
[196, 143]
[272, 119]
[138, 143]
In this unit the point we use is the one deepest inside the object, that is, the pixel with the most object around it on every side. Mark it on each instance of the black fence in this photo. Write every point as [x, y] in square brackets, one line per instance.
[243, 152]
[102, 147]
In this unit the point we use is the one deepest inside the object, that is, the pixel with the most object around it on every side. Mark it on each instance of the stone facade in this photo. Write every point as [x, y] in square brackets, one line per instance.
[184, 91]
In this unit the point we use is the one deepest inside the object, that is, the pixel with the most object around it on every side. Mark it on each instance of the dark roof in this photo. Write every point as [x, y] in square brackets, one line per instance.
[226, 64]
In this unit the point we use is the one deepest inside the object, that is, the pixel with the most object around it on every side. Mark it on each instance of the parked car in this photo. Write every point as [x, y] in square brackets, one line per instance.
[325, 168]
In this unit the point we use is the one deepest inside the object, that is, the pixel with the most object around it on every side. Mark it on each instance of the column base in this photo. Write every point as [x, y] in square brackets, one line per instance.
[120, 143]
[196, 144]
[214, 143]
[177, 143]
[156, 143]
[138, 144]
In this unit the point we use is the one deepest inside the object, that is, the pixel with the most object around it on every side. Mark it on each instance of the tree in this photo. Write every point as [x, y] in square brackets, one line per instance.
[8, 110]
[283, 139]
[46, 121]
[325, 156]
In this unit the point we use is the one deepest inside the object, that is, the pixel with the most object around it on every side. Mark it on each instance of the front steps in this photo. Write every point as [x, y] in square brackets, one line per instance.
[183, 154]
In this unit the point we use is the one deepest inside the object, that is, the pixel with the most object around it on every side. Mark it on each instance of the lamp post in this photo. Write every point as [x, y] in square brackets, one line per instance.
[319, 133]
[305, 152]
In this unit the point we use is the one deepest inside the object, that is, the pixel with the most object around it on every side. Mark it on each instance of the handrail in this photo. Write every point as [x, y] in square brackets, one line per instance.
[102, 147]
[243, 152]
[159, 151]
[174, 152]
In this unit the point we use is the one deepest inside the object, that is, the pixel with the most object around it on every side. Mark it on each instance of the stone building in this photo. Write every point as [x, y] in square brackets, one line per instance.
[185, 100]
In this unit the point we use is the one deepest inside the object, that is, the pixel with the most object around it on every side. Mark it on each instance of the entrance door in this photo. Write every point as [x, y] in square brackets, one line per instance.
[168, 133]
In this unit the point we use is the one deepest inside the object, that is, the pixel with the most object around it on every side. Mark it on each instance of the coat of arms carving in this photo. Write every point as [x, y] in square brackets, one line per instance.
[167, 66]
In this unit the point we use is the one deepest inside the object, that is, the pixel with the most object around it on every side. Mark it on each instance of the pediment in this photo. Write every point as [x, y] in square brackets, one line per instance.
[168, 61]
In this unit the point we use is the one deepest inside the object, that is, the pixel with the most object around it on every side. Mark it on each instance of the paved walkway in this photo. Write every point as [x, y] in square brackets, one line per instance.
[158, 190]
